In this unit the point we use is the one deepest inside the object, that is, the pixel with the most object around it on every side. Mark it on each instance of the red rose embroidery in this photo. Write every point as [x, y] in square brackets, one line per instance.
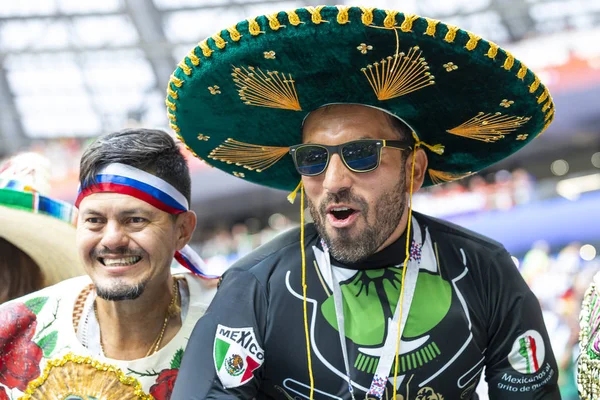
[164, 385]
[19, 356]
[3, 395]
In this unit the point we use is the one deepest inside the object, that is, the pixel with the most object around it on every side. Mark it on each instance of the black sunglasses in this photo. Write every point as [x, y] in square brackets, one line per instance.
[358, 155]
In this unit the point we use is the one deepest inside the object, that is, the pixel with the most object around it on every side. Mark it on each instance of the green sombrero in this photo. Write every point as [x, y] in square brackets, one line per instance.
[239, 98]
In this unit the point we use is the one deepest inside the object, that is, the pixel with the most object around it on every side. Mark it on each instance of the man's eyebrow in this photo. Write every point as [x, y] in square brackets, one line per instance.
[92, 212]
[134, 211]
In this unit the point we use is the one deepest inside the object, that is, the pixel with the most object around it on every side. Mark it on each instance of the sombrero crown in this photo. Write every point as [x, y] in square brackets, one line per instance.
[239, 98]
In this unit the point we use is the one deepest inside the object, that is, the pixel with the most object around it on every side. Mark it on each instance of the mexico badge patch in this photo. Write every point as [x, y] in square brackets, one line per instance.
[237, 354]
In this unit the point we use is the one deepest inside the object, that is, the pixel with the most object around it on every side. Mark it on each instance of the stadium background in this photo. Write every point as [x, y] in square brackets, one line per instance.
[71, 70]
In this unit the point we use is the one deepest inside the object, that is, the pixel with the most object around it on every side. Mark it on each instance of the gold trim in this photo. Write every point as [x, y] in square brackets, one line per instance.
[174, 127]
[367, 15]
[172, 93]
[170, 105]
[234, 34]
[431, 27]
[407, 24]
[184, 67]
[250, 156]
[315, 14]
[543, 96]
[171, 117]
[493, 50]
[473, 40]
[70, 361]
[219, 41]
[342, 17]
[534, 85]
[205, 49]
[176, 81]
[293, 18]
[549, 115]
[193, 57]
[509, 62]
[274, 23]
[438, 177]
[451, 34]
[390, 18]
[489, 127]
[399, 74]
[253, 27]
[522, 72]
[547, 105]
[271, 90]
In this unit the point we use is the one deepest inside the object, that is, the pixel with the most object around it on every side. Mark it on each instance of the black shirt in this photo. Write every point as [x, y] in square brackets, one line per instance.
[471, 309]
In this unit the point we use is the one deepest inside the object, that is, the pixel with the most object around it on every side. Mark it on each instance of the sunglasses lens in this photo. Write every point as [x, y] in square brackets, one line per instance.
[311, 160]
[361, 156]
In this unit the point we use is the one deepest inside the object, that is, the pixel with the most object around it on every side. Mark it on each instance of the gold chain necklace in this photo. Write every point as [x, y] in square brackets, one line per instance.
[172, 311]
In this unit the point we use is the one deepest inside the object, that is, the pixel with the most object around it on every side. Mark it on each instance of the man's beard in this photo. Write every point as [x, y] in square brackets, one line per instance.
[120, 290]
[346, 248]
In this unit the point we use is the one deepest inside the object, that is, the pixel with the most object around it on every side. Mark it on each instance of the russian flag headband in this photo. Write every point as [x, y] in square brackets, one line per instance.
[125, 179]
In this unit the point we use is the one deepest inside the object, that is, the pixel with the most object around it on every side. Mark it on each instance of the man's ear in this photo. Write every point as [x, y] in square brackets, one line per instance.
[420, 160]
[186, 225]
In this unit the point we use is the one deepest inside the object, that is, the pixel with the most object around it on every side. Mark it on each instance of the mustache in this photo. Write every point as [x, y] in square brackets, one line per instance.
[345, 196]
[119, 251]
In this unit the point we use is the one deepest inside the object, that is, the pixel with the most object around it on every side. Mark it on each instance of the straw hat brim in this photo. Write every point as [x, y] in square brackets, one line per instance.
[49, 241]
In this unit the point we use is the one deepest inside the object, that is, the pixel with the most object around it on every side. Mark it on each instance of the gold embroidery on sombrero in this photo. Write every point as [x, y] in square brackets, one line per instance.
[172, 93]
[493, 50]
[473, 40]
[342, 17]
[431, 27]
[239, 174]
[234, 34]
[250, 156]
[271, 90]
[193, 57]
[205, 49]
[549, 115]
[293, 18]
[184, 67]
[219, 41]
[450, 66]
[176, 81]
[315, 14]
[83, 376]
[274, 23]
[203, 137]
[509, 62]
[522, 72]
[269, 55]
[170, 105]
[451, 34]
[390, 18]
[543, 96]
[523, 136]
[506, 103]
[489, 127]
[547, 105]
[174, 127]
[253, 27]
[171, 117]
[367, 15]
[214, 90]
[407, 24]
[398, 75]
[364, 48]
[536, 83]
[442, 176]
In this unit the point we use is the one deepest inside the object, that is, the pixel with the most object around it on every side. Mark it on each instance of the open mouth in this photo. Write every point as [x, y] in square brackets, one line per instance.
[119, 262]
[341, 213]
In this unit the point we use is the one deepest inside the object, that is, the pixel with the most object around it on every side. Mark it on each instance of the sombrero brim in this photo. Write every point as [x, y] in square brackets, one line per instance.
[44, 233]
[238, 99]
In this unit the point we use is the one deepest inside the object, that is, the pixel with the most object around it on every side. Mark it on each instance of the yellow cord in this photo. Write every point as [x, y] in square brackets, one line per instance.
[310, 371]
[292, 196]
[401, 300]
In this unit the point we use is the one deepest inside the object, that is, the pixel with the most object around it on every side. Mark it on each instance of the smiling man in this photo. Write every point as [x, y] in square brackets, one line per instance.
[119, 332]
[357, 108]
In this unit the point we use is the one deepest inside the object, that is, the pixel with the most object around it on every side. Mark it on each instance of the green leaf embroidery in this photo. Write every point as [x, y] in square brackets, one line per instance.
[48, 343]
[176, 361]
[36, 304]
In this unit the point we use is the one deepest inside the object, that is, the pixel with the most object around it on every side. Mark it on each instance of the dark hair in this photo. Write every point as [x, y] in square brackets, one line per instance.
[19, 274]
[151, 150]
[403, 130]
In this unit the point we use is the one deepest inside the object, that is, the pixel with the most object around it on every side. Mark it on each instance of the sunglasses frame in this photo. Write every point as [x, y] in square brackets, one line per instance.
[337, 149]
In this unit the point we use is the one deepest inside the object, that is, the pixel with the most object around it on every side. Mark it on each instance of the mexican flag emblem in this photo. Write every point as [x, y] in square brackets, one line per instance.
[527, 353]
[237, 354]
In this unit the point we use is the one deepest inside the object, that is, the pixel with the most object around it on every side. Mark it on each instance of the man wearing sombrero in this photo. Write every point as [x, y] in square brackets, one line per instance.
[359, 108]
[37, 232]
[120, 332]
